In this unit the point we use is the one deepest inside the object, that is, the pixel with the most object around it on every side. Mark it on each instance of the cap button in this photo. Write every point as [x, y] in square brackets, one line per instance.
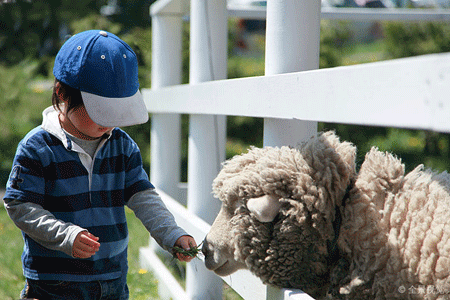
[104, 33]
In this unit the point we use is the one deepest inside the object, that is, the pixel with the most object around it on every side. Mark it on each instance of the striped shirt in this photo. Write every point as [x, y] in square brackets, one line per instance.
[51, 171]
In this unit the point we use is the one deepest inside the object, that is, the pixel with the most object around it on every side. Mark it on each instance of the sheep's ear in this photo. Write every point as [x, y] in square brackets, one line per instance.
[264, 208]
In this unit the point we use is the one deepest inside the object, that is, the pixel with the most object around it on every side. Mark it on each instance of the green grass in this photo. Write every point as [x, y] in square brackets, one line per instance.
[142, 285]
[11, 278]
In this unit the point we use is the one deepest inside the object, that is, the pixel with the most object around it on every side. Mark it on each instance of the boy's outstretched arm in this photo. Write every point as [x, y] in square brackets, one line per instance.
[42, 226]
[148, 207]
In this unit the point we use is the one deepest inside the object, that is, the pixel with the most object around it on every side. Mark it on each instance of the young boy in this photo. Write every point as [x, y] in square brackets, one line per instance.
[73, 175]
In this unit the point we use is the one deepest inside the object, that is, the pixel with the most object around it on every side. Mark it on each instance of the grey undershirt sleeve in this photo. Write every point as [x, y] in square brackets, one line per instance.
[42, 226]
[150, 209]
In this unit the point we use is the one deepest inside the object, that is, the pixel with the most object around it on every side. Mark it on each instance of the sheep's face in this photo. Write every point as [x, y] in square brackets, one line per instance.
[284, 251]
[217, 247]
[277, 210]
[220, 253]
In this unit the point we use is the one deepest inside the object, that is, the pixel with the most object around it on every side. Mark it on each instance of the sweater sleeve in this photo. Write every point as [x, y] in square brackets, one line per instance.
[157, 219]
[42, 226]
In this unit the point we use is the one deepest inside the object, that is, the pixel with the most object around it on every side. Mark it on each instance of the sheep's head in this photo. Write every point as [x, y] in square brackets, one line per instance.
[278, 205]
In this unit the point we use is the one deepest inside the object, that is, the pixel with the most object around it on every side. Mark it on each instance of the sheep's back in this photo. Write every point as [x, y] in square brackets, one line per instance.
[420, 230]
[397, 227]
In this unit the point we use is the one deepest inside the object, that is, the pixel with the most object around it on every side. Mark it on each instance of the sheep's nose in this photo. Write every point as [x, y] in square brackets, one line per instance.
[205, 248]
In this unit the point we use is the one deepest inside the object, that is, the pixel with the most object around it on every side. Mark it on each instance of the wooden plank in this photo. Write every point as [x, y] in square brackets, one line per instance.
[409, 92]
[170, 7]
[287, 294]
[243, 282]
[181, 7]
[353, 14]
[168, 286]
[386, 14]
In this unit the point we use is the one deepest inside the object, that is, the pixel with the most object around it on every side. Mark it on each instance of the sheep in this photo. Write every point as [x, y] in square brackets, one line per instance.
[305, 218]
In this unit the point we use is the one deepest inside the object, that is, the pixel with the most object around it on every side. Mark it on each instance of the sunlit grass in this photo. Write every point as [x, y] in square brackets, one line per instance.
[11, 278]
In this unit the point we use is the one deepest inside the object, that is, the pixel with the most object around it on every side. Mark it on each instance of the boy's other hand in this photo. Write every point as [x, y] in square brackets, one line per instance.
[85, 245]
[185, 242]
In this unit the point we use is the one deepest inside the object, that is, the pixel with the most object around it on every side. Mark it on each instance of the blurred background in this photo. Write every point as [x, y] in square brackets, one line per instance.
[31, 33]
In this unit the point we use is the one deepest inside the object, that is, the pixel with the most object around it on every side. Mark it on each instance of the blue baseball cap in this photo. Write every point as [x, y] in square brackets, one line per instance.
[104, 68]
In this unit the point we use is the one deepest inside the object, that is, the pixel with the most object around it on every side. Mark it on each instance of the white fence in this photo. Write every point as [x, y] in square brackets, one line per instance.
[410, 93]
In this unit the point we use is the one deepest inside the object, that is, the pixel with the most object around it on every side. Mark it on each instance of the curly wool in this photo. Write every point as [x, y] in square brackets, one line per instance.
[275, 252]
[395, 227]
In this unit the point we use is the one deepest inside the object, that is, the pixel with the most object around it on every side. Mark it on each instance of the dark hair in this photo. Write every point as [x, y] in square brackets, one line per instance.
[68, 93]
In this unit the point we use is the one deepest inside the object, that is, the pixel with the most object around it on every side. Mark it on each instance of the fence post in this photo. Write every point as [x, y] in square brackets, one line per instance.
[292, 45]
[207, 133]
[166, 128]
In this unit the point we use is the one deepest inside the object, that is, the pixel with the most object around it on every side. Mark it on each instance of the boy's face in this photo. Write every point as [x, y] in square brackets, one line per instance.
[84, 124]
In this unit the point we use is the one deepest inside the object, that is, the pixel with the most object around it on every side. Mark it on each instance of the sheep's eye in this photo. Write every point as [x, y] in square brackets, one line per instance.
[228, 207]
[240, 209]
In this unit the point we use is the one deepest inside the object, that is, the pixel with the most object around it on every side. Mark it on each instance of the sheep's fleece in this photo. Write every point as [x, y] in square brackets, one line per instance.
[305, 218]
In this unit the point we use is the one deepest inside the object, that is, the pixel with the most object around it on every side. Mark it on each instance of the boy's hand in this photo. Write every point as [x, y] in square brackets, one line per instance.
[85, 245]
[185, 242]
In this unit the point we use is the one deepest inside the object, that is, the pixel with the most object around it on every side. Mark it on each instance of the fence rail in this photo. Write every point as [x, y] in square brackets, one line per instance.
[353, 14]
[247, 285]
[333, 13]
[409, 93]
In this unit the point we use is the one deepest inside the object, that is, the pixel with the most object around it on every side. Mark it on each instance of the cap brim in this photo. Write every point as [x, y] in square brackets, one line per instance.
[115, 112]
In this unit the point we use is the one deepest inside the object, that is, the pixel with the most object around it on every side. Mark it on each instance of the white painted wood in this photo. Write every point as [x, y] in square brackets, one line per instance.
[292, 45]
[243, 282]
[287, 132]
[409, 93]
[169, 7]
[207, 133]
[247, 12]
[208, 41]
[286, 294]
[333, 13]
[292, 36]
[206, 152]
[353, 14]
[186, 219]
[386, 14]
[168, 286]
[166, 128]
[247, 285]
[166, 50]
[165, 145]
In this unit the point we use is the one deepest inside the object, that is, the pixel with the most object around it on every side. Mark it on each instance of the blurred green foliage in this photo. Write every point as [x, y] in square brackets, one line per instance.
[416, 38]
[23, 96]
[32, 32]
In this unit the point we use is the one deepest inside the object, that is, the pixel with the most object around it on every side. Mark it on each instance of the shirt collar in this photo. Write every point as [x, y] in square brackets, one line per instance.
[50, 123]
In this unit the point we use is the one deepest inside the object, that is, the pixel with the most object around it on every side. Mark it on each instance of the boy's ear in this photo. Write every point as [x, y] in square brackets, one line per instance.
[58, 91]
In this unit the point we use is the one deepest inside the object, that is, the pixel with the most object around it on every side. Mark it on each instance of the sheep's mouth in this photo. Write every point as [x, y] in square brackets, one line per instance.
[228, 268]
[223, 270]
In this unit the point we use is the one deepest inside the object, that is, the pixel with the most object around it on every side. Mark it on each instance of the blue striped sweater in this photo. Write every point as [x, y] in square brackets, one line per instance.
[53, 172]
